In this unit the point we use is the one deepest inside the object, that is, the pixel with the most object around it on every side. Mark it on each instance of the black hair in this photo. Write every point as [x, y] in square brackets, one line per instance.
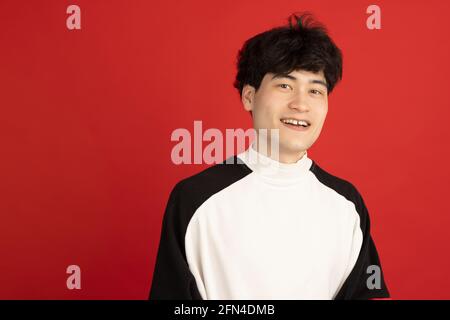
[303, 44]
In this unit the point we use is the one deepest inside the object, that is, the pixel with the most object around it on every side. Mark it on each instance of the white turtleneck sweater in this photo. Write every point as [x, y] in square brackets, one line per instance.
[261, 229]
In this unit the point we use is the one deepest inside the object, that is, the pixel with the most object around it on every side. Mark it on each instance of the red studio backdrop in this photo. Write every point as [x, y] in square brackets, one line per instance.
[86, 117]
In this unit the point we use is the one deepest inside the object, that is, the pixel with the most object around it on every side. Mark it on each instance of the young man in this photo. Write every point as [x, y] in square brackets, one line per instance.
[279, 228]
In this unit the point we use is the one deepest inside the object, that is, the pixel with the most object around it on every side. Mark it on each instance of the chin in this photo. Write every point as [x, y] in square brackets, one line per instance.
[293, 147]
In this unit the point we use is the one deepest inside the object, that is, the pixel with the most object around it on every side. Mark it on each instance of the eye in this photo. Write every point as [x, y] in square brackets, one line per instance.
[317, 92]
[284, 86]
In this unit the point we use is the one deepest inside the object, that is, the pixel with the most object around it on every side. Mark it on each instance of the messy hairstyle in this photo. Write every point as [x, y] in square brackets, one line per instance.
[303, 44]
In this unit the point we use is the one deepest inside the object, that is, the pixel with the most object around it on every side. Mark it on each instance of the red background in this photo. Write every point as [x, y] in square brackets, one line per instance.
[86, 118]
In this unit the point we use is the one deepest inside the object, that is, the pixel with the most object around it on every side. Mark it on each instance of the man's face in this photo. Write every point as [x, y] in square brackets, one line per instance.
[281, 99]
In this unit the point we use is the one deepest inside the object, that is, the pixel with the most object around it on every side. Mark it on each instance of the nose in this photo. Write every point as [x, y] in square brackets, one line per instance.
[299, 102]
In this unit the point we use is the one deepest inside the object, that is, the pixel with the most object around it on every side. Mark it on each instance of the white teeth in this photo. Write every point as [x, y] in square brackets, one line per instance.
[296, 122]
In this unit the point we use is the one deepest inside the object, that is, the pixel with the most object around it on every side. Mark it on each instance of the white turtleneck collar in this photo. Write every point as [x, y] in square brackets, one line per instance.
[273, 170]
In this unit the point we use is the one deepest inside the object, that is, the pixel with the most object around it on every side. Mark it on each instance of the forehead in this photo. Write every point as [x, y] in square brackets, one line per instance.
[298, 75]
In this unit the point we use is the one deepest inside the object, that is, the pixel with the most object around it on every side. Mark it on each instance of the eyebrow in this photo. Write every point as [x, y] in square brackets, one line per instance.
[288, 76]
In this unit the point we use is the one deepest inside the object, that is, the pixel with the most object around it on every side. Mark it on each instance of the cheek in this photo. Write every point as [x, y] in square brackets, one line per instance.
[321, 113]
[267, 112]
[260, 116]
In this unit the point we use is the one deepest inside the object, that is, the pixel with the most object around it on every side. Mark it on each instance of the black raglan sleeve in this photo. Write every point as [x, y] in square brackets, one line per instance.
[366, 280]
[172, 278]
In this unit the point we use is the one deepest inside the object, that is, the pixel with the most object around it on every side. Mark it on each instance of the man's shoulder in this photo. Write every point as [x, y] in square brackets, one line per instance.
[340, 185]
[211, 180]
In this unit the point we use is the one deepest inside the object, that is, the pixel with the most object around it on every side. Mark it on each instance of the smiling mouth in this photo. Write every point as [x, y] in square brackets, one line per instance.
[296, 123]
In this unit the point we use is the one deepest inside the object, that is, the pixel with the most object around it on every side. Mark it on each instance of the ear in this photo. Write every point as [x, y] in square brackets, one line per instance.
[248, 97]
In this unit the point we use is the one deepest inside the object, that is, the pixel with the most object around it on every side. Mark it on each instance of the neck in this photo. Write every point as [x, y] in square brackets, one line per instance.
[272, 170]
[283, 156]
